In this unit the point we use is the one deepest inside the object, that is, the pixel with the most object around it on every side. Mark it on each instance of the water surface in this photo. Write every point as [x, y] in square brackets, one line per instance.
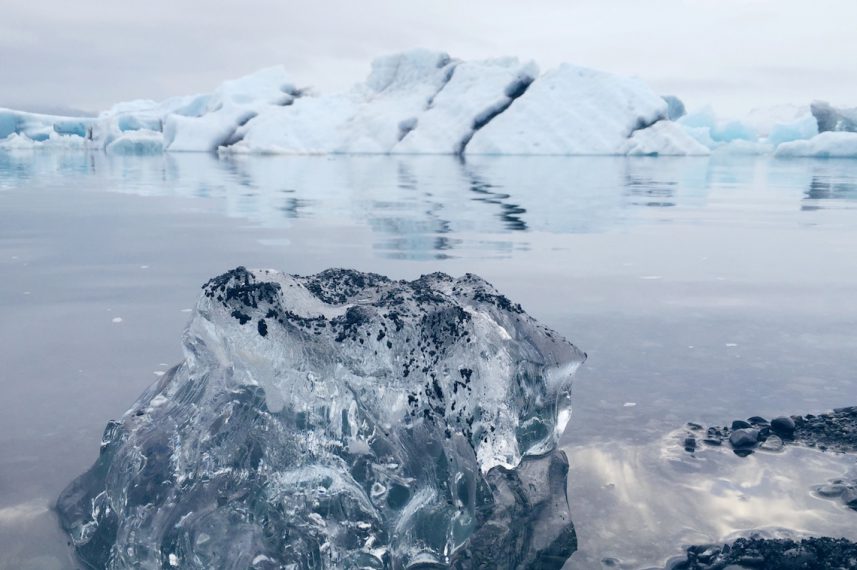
[703, 289]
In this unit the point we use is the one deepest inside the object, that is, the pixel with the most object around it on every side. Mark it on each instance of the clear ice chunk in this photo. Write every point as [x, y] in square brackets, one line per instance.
[340, 420]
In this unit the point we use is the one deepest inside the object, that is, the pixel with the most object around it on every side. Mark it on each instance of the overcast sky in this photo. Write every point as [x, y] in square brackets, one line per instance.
[733, 54]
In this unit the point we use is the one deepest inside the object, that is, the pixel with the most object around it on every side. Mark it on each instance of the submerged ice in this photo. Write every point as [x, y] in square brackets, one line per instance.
[341, 420]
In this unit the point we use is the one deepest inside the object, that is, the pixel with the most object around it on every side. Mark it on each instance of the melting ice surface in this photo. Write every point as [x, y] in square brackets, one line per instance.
[341, 420]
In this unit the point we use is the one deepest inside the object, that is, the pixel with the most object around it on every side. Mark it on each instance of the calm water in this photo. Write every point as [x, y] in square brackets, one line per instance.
[702, 289]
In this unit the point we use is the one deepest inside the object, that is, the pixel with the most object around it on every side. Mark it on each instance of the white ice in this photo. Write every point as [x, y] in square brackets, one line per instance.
[664, 138]
[426, 102]
[571, 110]
[824, 145]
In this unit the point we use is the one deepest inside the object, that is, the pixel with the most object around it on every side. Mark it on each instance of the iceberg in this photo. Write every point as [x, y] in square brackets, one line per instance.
[711, 131]
[371, 118]
[664, 138]
[415, 102]
[571, 110]
[340, 420]
[39, 128]
[763, 119]
[830, 118]
[206, 123]
[801, 128]
[830, 144]
[675, 107]
[475, 94]
[427, 102]
[142, 141]
[19, 142]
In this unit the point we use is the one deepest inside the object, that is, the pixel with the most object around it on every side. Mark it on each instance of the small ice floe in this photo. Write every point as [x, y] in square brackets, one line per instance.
[117, 319]
[158, 372]
[144, 267]
[651, 277]
[186, 310]
[731, 344]
[629, 404]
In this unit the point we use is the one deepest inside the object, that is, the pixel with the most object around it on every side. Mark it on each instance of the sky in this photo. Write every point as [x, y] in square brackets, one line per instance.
[732, 54]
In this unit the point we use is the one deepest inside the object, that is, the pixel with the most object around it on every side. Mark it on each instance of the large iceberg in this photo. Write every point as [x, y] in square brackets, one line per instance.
[341, 420]
[571, 110]
[416, 102]
[213, 121]
[427, 102]
[424, 102]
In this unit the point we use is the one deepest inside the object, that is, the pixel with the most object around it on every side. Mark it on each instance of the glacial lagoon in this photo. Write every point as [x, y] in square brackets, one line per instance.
[702, 289]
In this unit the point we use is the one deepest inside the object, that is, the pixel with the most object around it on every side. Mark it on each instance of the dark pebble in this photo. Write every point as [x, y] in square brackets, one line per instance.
[783, 426]
[821, 553]
[690, 444]
[849, 497]
[740, 424]
[744, 438]
[830, 490]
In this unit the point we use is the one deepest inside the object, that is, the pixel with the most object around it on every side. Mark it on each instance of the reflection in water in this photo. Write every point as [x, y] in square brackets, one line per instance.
[439, 207]
[510, 214]
[831, 187]
[672, 499]
[652, 193]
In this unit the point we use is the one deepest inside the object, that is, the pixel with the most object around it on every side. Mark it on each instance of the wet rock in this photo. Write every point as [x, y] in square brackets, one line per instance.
[842, 490]
[744, 438]
[829, 491]
[833, 431]
[817, 553]
[690, 444]
[849, 497]
[783, 426]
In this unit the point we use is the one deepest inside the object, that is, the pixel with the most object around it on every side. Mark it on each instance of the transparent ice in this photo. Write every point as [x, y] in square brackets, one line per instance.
[341, 420]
